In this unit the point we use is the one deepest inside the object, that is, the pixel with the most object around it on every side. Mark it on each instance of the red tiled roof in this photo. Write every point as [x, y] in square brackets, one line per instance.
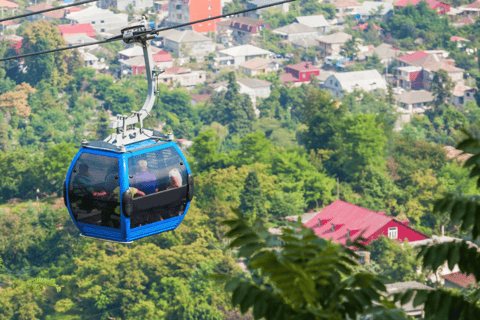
[364, 26]
[38, 7]
[56, 14]
[465, 20]
[288, 77]
[8, 4]
[73, 9]
[176, 70]
[345, 3]
[303, 66]
[82, 28]
[162, 56]
[8, 23]
[461, 279]
[347, 216]
[201, 98]
[454, 38]
[473, 5]
[413, 56]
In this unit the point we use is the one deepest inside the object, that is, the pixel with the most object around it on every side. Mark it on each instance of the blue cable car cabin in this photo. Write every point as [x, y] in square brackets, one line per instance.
[124, 194]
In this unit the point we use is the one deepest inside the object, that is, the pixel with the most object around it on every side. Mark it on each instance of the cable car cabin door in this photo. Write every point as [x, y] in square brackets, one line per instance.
[157, 182]
[94, 181]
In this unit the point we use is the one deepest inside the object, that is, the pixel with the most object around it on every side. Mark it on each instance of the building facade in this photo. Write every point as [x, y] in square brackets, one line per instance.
[183, 11]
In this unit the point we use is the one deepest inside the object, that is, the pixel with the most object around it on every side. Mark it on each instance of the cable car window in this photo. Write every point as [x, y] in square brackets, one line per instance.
[160, 177]
[94, 191]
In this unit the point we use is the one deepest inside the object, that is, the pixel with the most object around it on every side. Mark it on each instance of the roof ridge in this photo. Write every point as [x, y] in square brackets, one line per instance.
[377, 212]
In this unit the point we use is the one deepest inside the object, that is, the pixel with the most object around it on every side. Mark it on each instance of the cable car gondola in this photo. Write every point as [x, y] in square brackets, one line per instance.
[135, 183]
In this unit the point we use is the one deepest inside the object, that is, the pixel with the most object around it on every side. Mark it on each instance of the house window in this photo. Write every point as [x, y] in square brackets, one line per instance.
[93, 22]
[336, 84]
[102, 21]
[179, 16]
[178, 6]
[102, 30]
[304, 76]
[330, 81]
[468, 94]
[393, 233]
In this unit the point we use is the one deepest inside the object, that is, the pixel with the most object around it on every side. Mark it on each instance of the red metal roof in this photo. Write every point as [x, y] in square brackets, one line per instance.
[200, 98]
[465, 20]
[73, 9]
[350, 217]
[460, 279]
[431, 3]
[38, 7]
[413, 56]
[82, 28]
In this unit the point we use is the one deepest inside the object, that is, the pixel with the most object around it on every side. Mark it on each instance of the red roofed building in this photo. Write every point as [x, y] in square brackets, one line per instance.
[56, 14]
[182, 11]
[8, 4]
[342, 220]
[72, 29]
[435, 5]
[300, 72]
[459, 280]
[463, 21]
[430, 63]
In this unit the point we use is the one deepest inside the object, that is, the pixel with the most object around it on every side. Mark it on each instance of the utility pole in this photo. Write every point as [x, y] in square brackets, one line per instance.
[338, 189]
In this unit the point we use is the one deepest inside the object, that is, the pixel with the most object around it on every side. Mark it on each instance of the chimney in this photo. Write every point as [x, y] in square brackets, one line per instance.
[443, 231]
[306, 65]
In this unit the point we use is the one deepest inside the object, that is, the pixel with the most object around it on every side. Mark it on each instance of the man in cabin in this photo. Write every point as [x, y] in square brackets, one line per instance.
[144, 180]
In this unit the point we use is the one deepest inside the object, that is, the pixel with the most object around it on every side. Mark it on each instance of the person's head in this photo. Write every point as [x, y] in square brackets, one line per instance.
[175, 173]
[143, 165]
[83, 169]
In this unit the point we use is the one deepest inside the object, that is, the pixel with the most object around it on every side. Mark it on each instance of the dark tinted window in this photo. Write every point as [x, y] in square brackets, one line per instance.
[93, 191]
[160, 177]
[157, 171]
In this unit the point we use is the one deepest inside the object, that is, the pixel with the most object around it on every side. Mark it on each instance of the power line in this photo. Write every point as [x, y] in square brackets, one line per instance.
[148, 32]
[47, 10]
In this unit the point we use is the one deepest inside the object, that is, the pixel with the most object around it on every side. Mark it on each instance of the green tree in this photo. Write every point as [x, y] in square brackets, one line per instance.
[396, 262]
[441, 87]
[350, 49]
[205, 150]
[300, 276]
[55, 165]
[75, 62]
[323, 117]
[252, 199]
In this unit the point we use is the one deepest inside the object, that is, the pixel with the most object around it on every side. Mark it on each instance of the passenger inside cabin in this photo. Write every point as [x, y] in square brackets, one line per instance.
[144, 180]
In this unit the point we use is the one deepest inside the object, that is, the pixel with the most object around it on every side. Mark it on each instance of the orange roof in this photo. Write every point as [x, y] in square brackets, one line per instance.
[345, 3]
[461, 279]
[8, 4]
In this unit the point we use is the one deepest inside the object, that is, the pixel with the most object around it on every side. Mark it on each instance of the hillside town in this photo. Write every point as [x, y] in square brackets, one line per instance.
[413, 64]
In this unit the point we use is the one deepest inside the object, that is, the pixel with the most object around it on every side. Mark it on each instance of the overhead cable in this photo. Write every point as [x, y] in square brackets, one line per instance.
[148, 32]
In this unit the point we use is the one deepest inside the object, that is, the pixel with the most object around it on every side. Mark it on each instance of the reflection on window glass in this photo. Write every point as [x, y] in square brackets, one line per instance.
[94, 191]
[157, 171]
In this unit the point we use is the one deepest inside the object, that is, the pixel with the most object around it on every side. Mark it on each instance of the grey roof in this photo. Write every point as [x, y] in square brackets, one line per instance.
[244, 50]
[384, 51]
[306, 42]
[79, 39]
[254, 83]
[338, 37]
[186, 36]
[369, 6]
[393, 288]
[415, 96]
[313, 21]
[361, 80]
[295, 28]
[324, 75]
